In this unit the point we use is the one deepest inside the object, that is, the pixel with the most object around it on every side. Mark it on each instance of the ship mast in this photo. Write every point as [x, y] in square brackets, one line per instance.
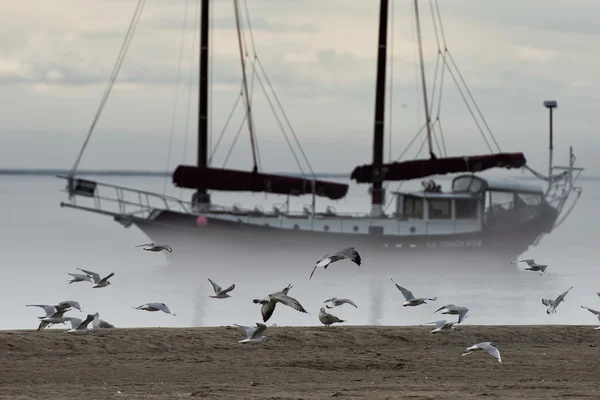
[377, 191]
[201, 197]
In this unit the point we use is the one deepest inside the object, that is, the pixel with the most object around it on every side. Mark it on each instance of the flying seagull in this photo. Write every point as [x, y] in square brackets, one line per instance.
[348, 253]
[443, 326]
[553, 304]
[411, 301]
[487, 346]
[269, 302]
[155, 307]
[219, 292]
[595, 312]
[82, 328]
[156, 247]
[254, 335]
[99, 282]
[533, 266]
[98, 323]
[328, 319]
[338, 302]
[451, 309]
[79, 278]
[56, 318]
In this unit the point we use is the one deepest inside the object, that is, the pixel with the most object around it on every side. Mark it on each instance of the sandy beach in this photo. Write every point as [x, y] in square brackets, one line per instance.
[539, 362]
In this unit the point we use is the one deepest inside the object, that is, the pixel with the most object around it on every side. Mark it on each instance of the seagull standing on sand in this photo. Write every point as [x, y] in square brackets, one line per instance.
[99, 282]
[335, 302]
[487, 346]
[82, 328]
[155, 307]
[219, 292]
[533, 266]
[254, 335]
[98, 323]
[553, 304]
[269, 302]
[156, 247]
[451, 309]
[348, 253]
[328, 319]
[411, 301]
[79, 278]
[443, 326]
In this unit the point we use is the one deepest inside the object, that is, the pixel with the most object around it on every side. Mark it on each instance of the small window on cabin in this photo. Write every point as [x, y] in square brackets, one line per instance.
[413, 207]
[439, 208]
[465, 208]
[525, 199]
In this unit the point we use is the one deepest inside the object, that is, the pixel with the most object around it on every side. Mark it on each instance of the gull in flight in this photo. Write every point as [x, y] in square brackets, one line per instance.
[335, 302]
[553, 304]
[443, 326]
[254, 335]
[99, 282]
[595, 312]
[219, 292]
[411, 301]
[328, 319]
[56, 318]
[532, 265]
[487, 346]
[451, 309]
[155, 307]
[98, 323]
[269, 302]
[82, 328]
[79, 278]
[348, 253]
[156, 247]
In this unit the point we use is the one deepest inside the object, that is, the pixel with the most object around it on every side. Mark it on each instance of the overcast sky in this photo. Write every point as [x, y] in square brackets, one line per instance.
[55, 59]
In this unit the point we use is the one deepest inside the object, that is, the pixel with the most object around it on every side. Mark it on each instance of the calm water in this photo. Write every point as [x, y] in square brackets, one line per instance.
[41, 242]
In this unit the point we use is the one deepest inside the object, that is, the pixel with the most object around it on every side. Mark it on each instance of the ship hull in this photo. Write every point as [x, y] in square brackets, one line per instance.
[182, 232]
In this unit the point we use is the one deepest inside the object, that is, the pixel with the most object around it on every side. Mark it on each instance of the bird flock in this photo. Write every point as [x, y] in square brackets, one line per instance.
[55, 314]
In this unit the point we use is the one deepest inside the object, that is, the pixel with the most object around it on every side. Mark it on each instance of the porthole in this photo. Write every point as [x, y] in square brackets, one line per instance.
[326, 227]
[296, 226]
[413, 229]
[355, 229]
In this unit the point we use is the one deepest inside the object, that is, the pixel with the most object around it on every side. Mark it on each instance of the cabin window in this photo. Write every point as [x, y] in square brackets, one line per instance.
[525, 199]
[465, 208]
[501, 200]
[439, 208]
[413, 207]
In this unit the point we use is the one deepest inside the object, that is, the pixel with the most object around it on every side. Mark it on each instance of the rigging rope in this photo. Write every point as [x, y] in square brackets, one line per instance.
[111, 81]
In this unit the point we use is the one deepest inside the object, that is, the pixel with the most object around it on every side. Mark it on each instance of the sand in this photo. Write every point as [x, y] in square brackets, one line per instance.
[347, 362]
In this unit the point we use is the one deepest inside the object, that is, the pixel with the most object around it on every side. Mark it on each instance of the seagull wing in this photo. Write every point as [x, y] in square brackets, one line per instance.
[438, 324]
[144, 245]
[595, 312]
[347, 301]
[74, 321]
[289, 301]
[351, 254]
[103, 324]
[106, 278]
[462, 313]
[266, 309]
[562, 296]
[260, 328]
[215, 286]
[313, 271]
[405, 292]
[441, 308]
[546, 302]
[48, 309]
[91, 274]
[324, 261]
[84, 323]
[229, 289]
[248, 330]
[494, 352]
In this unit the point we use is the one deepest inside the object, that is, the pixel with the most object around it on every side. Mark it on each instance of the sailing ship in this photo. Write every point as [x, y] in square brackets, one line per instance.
[476, 216]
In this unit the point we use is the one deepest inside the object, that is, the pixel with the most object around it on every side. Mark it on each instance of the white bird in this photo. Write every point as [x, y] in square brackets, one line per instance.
[56, 318]
[82, 328]
[254, 335]
[451, 309]
[443, 326]
[155, 307]
[48, 309]
[595, 312]
[348, 253]
[411, 301]
[338, 302]
[553, 304]
[533, 266]
[68, 304]
[219, 292]
[487, 346]
[79, 278]
[99, 282]
[269, 302]
[328, 319]
[156, 247]
[98, 323]
[74, 321]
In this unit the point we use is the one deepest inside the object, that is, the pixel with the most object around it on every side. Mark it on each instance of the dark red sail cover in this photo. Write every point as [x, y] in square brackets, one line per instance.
[407, 170]
[192, 177]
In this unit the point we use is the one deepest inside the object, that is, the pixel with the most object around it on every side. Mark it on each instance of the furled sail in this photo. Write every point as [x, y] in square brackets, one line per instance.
[192, 177]
[414, 169]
